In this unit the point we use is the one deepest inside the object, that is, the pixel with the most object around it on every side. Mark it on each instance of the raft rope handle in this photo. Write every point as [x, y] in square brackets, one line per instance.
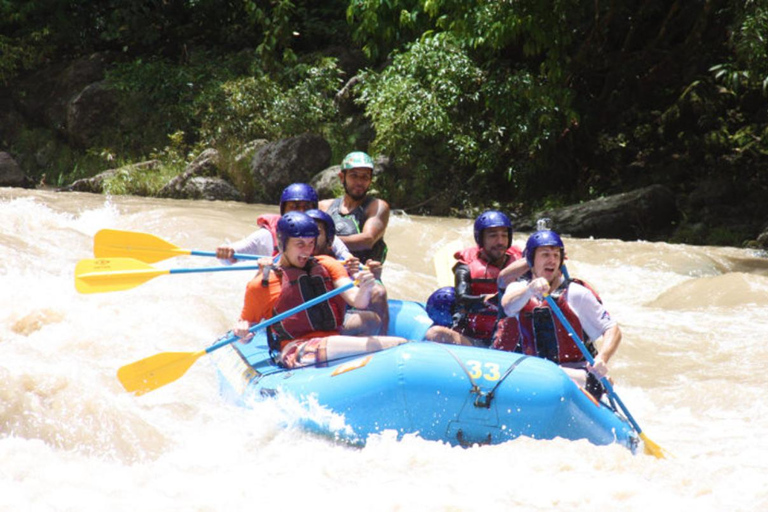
[511, 368]
[484, 399]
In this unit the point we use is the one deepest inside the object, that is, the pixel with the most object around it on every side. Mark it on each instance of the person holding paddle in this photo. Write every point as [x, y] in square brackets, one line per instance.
[540, 334]
[476, 273]
[316, 335]
[295, 197]
[361, 221]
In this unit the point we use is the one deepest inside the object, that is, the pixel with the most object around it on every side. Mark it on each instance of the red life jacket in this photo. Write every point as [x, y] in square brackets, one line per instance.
[507, 334]
[297, 287]
[483, 281]
[542, 335]
[269, 222]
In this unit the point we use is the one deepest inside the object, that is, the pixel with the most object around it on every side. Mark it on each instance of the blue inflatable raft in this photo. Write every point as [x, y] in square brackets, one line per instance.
[456, 394]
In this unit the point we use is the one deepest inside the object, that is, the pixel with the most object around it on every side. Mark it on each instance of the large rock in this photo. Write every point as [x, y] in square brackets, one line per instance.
[11, 121]
[11, 174]
[89, 112]
[47, 94]
[327, 183]
[280, 163]
[200, 181]
[212, 189]
[647, 213]
[762, 239]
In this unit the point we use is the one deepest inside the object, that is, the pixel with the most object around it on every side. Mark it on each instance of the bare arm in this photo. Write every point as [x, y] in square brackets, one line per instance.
[358, 296]
[512, 272]
[518, 294]
[373, 229]
[609, 346]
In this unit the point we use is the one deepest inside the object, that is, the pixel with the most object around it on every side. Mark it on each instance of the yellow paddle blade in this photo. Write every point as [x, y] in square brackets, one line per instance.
[651, 448]
[112, 274]
[156, 371]
[444, 262]
[113, 243]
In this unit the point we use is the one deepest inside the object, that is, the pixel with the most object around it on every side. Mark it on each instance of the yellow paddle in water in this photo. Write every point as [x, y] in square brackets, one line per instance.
[116, 274]
[444, 262]
[156, 371]
[651, 448]
[114, 243]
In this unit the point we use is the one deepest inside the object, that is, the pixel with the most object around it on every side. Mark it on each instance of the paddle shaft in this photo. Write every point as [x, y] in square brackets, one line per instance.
[211, 269]
[237, 255]
[279, 318]
[608, 386]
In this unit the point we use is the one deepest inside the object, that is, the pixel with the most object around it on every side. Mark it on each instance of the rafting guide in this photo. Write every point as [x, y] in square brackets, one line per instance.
[361, 220]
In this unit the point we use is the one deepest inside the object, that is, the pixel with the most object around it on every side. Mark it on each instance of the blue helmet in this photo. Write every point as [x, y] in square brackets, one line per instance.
[491, 219]
[330, 226]
[298, 192]
[440, 306]
[295, 225]
[542, 238]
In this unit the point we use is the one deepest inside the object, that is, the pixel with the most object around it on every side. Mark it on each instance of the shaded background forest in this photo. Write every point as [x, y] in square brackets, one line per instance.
[519, 105]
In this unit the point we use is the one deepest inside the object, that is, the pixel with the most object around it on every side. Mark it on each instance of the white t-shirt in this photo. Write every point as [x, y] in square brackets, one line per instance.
[260, 243]
[594, 318]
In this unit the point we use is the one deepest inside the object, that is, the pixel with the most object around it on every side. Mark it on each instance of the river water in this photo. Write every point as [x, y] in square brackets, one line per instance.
[692, 369]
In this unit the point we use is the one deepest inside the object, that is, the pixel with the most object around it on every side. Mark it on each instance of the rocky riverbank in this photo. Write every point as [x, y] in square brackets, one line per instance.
[75, 104]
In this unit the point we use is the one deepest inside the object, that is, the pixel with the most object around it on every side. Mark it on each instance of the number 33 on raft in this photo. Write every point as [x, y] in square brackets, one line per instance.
[476, 370]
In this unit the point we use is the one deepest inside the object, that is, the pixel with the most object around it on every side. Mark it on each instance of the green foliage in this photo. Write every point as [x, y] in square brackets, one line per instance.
[262, 106]
[147, 181]
[538, 30]
[384, 25]
[275, 23]
[165, 96]
[749, 42]
[451, 123]
[21, 54]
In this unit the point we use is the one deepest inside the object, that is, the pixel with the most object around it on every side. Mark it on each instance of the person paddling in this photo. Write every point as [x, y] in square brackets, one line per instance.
[541, 333]
[295, 197]
[477, 275]
[316, 335]
[361, 221]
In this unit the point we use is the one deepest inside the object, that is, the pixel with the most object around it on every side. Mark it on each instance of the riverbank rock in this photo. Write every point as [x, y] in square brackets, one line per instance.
[11, 174]
[762, 239]
[286, 161]
[211, 189]
[89, 113]
[648, 213]
[200, 181]
[46, 97]
[95, 184]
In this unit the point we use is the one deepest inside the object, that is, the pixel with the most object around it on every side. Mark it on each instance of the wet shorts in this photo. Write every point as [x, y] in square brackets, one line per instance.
[300, 353]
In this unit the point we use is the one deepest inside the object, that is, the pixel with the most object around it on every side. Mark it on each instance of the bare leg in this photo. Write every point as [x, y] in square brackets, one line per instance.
[361, 323]
[342, 346]
[380, 306]
[440, 334]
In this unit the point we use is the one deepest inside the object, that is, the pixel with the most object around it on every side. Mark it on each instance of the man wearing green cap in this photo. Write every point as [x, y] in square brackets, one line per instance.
[361, 221]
